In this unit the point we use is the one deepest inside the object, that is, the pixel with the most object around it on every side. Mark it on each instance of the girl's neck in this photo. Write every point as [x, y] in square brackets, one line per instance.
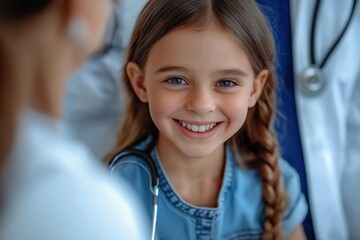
[197, 180]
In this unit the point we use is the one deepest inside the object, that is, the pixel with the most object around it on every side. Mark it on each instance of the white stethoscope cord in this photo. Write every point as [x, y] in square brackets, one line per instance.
[155, 209]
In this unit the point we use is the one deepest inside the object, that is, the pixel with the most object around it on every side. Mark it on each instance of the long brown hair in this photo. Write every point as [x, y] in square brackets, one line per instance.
[256, 140]
[11, 11]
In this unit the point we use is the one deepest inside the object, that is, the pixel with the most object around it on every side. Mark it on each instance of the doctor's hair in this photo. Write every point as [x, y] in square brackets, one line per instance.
[255, 144]
[19, 9]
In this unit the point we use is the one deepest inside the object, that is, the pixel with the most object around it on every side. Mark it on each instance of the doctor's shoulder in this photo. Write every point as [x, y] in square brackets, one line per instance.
[115, 207]
[73, 201]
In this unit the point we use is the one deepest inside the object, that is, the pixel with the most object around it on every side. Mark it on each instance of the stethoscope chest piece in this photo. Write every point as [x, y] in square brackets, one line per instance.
[312, 81]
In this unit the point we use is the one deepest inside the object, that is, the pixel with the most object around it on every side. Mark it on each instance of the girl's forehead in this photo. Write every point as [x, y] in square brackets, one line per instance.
[210, 47]
[210, 33]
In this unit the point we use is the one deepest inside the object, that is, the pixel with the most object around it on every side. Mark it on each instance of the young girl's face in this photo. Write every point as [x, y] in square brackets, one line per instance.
[199, 85]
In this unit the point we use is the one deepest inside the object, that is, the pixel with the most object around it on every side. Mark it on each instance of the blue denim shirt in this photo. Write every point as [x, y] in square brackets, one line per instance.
[240, 210]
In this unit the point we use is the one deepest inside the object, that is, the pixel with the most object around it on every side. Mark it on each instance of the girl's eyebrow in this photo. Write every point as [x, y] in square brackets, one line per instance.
[169, 68]
[232, 71]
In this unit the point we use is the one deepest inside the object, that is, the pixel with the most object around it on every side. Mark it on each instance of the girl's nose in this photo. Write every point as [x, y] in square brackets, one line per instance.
[201, 101]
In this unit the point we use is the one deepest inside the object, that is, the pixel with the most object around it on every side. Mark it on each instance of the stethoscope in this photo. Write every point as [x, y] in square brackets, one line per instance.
[144, 155]
[313, 80]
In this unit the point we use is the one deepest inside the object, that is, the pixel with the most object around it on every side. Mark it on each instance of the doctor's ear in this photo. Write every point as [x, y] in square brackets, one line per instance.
[258, 86]
[136, 78]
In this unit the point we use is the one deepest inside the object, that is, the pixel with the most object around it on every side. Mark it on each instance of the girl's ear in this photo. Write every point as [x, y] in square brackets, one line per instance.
[258, 86]
[136, 78]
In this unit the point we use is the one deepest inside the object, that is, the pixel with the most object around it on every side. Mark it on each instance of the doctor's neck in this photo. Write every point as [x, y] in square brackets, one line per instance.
[38, 63]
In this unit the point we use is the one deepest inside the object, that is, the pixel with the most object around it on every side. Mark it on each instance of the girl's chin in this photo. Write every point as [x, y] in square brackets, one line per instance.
[199, 152]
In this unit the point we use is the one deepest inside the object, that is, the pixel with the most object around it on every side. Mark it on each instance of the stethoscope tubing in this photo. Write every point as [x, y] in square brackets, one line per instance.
[155, 211]
[153, 175]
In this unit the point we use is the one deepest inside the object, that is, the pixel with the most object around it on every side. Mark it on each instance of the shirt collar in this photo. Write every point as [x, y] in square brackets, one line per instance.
[194, 211]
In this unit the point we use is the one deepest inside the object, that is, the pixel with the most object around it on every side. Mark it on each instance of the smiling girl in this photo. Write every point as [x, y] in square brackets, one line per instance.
[200, 80]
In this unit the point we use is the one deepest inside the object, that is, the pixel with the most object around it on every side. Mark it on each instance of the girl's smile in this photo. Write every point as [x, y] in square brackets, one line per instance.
[198, 130]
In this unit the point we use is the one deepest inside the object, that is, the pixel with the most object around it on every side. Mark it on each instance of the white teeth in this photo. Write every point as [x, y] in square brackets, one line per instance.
[194, 128]
[197, 128]
[202, 128]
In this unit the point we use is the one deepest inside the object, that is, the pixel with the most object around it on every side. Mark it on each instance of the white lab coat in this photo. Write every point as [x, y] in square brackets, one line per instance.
[55, 191]
[330, 122]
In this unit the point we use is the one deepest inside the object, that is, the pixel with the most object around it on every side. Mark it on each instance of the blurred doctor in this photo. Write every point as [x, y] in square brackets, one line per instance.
[50, 186]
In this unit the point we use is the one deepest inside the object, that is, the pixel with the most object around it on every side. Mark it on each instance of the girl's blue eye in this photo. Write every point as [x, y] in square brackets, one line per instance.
[176, 81]
[226, 83]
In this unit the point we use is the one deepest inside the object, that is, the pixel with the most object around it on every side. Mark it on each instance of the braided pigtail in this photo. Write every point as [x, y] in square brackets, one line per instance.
[257, 143]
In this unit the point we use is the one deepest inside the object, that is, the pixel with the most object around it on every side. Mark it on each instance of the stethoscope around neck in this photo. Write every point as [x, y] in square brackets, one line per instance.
[154, 177]
[313, 79]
